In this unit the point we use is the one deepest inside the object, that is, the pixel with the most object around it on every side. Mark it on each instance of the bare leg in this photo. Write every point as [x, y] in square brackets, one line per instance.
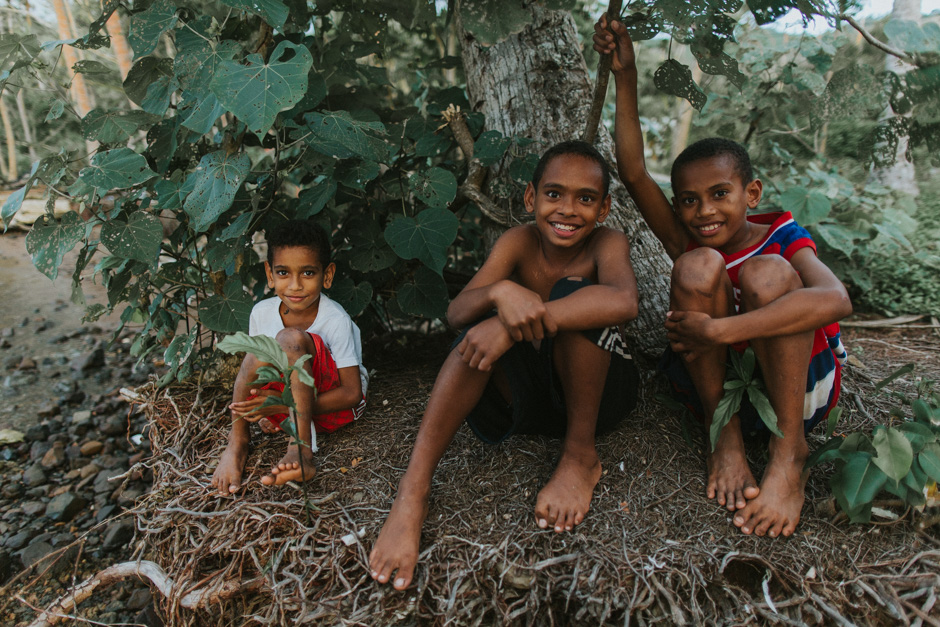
[456, 391]
[784, 361]
[227, 477]
[297, 343]
[700, 283]
[582, 368]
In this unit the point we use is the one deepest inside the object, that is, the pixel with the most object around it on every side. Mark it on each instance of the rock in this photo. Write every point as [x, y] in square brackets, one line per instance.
[62, 539]
[35, 552]
[148, 617]
[12, 362]
[106, 512]
[114, 425]
[34, 476]
[6, 567]
[88, 361]
[5, 343]
[81, 417]
[6, 332]
[45, 325]
[38, 449]
[102, 483]
[65, 507]
[33, 508]
[12, 490]
[65, 387]
[139, 599]
[36, 433]
[54, 457]
[88, 470]
[18, 540]
[26, 363]
[91, 448]
[48, 409]
[129, 496]
[118, 533]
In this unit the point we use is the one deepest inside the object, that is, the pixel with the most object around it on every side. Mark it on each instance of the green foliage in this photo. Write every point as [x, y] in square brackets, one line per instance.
[902, 458]
[742, 379]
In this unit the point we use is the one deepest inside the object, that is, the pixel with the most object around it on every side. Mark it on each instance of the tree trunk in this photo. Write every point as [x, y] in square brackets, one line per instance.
[12, 171]
[79, 89]
[122, 51]
[535, 84]
[27, 129]
[900, 174]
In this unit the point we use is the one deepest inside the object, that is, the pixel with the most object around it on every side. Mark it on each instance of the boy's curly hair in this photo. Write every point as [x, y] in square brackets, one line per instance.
[573, 147]
[299, 233]
[715, 147]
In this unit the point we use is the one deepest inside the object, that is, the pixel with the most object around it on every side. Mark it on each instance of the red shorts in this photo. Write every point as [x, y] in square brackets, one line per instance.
[326, 377]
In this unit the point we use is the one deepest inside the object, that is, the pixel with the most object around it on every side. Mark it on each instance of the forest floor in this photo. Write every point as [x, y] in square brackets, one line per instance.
[652, 549]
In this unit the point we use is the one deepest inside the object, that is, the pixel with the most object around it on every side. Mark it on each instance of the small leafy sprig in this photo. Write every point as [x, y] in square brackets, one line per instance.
[902, 460]
[742, 379]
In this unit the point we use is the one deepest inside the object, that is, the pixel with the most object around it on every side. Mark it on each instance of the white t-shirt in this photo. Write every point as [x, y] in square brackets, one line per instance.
[333, 325]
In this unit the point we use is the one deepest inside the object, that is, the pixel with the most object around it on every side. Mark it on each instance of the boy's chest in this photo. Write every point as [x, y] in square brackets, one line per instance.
[540, 276]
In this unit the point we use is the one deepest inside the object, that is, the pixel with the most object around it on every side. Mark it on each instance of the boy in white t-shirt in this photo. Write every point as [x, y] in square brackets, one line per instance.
[304, 322]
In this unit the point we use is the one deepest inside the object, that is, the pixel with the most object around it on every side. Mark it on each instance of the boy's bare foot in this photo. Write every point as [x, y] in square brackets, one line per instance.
[730, 480]
[227, 478]
[397, 546]
[776, 510]
[289, 468]
[565, 499]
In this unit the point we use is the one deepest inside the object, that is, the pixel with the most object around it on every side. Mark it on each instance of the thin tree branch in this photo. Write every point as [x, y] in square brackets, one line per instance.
[876, 42]
[476, 173]
[600, 88]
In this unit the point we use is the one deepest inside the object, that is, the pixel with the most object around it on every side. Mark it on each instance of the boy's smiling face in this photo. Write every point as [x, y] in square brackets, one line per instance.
[569, 201]
[712, 202]
[297, 277]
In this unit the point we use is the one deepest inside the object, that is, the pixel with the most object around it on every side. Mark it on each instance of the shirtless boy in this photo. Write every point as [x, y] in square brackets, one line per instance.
[304, 322]
[736, 279]
[544, 354]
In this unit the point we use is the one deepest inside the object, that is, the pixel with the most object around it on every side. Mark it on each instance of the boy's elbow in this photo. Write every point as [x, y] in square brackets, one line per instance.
[845, 305]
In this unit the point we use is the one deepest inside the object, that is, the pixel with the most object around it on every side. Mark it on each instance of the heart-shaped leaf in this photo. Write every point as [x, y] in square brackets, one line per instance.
[426, 238]
[48, 241]
[212, 187]
[139, 238]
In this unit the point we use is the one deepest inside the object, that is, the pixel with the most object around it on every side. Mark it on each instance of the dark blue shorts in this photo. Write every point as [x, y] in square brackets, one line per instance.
[538, 403]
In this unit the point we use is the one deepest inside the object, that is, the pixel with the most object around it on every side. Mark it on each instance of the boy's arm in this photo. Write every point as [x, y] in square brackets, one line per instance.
[823, 300]
[520, 310]
[346, 395]
[612, 300]
[628, 137]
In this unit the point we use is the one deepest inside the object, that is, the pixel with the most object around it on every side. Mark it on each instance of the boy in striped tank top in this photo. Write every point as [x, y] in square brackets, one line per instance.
[738, 280]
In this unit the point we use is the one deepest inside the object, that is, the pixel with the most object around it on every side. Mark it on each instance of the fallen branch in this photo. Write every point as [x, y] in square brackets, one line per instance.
[213, 593]
[603, 75]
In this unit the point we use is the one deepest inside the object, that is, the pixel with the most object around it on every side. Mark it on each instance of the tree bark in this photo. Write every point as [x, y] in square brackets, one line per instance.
[27, 129]
[900, 174]
[79, 88]
[12, 171]
[535, 84]
[122, 51]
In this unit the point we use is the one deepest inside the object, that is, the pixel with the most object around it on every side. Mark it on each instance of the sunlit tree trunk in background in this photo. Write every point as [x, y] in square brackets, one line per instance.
[122, 52]
[12, 172]
[536, 84]
[899, 175]
[79, 89]
[27, 129]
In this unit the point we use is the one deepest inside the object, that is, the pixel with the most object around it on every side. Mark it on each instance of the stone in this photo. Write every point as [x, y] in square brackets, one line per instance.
[139, 599]
[114, 425]
[7, 332]
[88, 361]
[81, 417]
[6, 567]
[35, 552]
[5, 343]
[38, 449]
[54, 457]
[73, 474]
[65, 507]
[33, 508]
[36, 433]
[106, 512]
[34, 476]
[88, 470]
[62, 538]
[117, 534]
[91, 448]
[148, 617]
[12, 490]
[102, 483]
[18, 540]
[27, 363]
[129, 496]
[48, 409]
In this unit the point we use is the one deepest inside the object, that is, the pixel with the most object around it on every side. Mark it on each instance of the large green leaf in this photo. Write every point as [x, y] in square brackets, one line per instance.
[764, 409]
[257, 91]
[766, 11]
[807, 207]
[212, 187]
[708, 51]
[929, 460]
[358, 174]
[139, 238]
[338, 134]
[148, 26]
[492, 21]
[12, 204]
[435, 187]
[490, 147]
[273, 12]
[263, 347]
[727, 407]
[116, 169]
[146, 74]
[227, 312]
[18, 49]
[109, 127]
[826, 453]
[354, 298]
[675, 79]
[894, 452]
[920, 435]
[425, 238]
[313, 200]
[48, 241]
[857, 482]
[911, 37]
[180, 348]
[426, 296]
[200, 111]
[371, 252]
[838, 236]
[199, 54]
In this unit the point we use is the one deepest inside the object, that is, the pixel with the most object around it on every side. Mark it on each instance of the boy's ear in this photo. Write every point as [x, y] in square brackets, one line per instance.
[605, 209]
[328, 274]
[269, 274]
[529, 197]
[754, 190]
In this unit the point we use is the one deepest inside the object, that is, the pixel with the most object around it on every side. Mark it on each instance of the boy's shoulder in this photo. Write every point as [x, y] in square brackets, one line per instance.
[266, 306]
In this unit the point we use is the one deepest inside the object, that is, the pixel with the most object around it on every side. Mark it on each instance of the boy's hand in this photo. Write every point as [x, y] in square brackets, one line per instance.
[251, 409]
[618, 42]
[484, 344]
[690, 332]
[523, 314]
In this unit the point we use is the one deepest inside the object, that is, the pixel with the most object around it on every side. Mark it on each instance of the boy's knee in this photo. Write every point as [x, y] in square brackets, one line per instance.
[765, 278]
[293, 340]
[699, 270]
